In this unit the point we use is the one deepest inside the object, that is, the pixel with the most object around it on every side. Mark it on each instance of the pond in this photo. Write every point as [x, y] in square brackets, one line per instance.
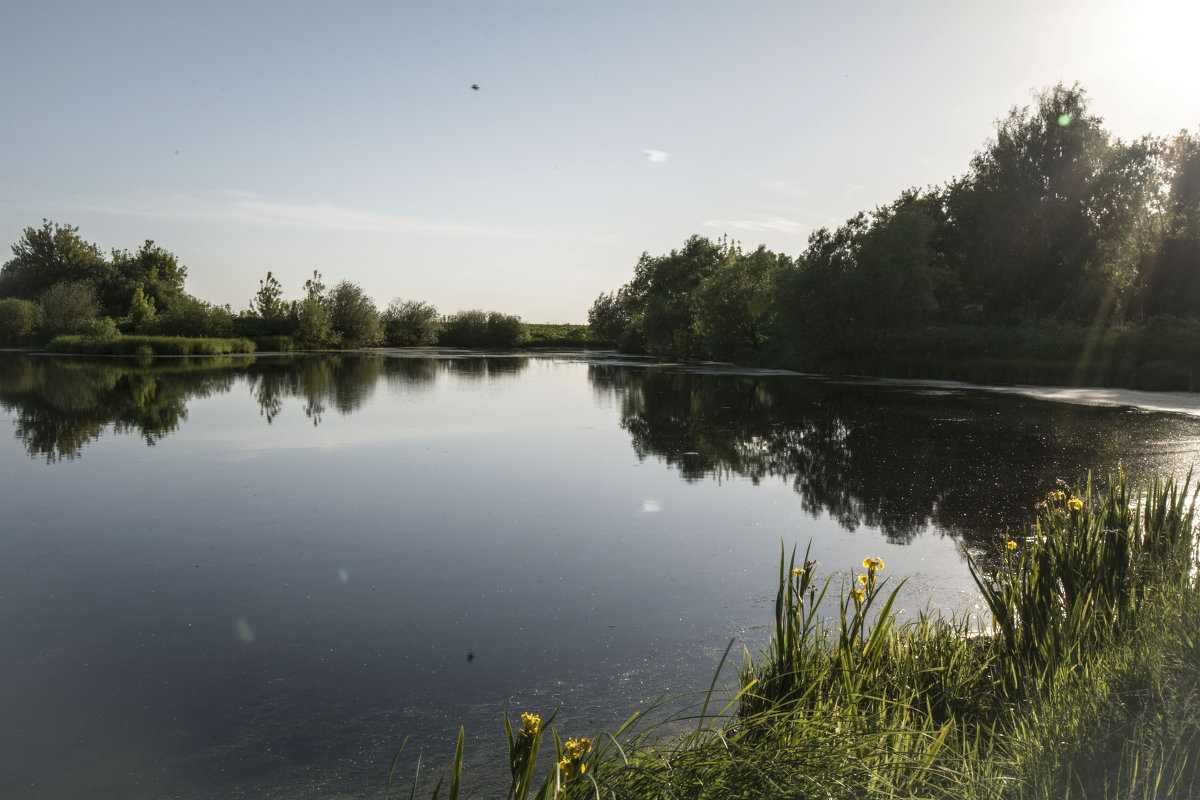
[254, 576]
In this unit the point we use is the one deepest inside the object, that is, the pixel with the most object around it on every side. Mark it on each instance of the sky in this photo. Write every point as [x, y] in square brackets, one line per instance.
[346, 137]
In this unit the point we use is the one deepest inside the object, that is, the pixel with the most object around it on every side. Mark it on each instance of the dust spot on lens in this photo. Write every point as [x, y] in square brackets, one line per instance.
[245, 633]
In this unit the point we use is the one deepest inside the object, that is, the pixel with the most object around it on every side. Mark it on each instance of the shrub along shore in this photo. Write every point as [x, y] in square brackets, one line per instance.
[1086, 684]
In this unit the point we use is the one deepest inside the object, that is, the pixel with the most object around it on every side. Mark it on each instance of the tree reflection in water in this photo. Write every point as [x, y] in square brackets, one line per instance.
[61, 404]
[963, 462]
[902, 460]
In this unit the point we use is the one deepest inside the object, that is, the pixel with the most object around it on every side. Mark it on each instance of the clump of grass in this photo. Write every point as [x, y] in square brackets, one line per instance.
[275, 344]
[149, 346]
[1087, 683]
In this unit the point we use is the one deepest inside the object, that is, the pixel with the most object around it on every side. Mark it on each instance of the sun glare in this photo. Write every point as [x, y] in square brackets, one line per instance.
[1161, 42]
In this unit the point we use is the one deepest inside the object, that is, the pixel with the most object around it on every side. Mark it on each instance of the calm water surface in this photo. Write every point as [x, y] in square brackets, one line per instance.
[252, 577]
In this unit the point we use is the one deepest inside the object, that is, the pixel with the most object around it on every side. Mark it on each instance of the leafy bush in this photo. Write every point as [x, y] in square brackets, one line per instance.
[479, 328]
[18, 320]
[189, 316]
[353, 315]
[410, 323]
[102, 328]
[68, 307]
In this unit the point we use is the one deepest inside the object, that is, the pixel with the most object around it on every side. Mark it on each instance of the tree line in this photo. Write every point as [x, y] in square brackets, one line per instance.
[57, 283]
[1055, 221]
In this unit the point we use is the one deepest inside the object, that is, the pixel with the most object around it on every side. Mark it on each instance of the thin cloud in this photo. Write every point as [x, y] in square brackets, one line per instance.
[774, 225]
[247, 208]
[789, 189]
[656, 156]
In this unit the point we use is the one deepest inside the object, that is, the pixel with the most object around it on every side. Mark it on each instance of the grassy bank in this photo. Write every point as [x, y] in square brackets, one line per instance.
[1087, 683]
[148, 346]
[1158, 354]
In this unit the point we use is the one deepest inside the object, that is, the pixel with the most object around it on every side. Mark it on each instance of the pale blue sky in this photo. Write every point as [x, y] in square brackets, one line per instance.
[344, 137]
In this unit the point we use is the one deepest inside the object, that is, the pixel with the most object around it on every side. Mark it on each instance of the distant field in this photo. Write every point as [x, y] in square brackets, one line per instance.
[559, 335]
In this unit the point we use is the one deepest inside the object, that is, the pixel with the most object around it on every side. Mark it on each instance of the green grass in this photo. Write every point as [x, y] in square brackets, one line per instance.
[559, 335]
[149, 346]
[1085, 685]
[275, 344]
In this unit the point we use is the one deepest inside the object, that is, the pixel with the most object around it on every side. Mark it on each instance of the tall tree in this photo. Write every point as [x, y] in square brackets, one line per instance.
[894, 270]
[1027, 215]
[608, 317]
[50, 255]
[663, 293]
[815, 302]
[156, 270]
[732, 304]
[1169, 275]
[269, 306]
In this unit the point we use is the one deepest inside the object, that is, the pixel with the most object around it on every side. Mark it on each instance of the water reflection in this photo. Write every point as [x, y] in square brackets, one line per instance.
[967, 463]
[61, 404]
[481, 367]
[341, 381]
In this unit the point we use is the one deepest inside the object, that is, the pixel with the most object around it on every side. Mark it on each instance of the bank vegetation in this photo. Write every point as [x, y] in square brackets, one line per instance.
[1084, 684]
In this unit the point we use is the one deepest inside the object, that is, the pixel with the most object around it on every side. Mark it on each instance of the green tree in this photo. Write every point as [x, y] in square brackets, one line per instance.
[18, 319]
[893, 270]
[314, 328]
[608, 317]
[1027, 218]
[353, 315]
[408, 323]
[814, 302]
[1169, 272]
[190, 316]
[732, 305]
[662, 296]
[154, 270]
[506, 330]
[50, 255]
[68, 307]
[314, 288]
[269, 307]
[141, 309]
